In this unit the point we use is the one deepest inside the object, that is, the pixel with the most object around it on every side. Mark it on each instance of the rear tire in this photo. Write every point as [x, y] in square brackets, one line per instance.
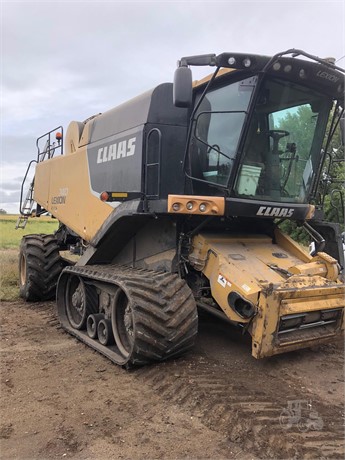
[40, 266]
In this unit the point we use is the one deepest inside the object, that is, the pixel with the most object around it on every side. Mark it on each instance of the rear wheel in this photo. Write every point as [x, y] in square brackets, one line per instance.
[40, 265]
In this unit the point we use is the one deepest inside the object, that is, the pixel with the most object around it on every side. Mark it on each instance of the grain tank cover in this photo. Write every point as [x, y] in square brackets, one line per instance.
[123, 140]
[154, 106]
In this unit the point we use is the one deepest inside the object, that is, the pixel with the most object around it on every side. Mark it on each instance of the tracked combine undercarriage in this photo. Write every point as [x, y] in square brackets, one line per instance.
[131, 316]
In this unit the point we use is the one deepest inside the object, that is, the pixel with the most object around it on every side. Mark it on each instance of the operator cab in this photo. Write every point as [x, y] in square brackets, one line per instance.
[257, 131]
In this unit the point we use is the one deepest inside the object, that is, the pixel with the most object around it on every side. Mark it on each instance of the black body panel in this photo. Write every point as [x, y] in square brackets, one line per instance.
[130, 143]
[251, 208]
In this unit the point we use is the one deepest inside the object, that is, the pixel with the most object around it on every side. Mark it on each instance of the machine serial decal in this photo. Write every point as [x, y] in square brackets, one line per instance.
[58, 199]
[275, 212]
[115, 151]
[61, 198]
[327, 76]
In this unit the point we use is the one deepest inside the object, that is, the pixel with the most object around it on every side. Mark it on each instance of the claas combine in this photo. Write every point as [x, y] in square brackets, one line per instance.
[173, 202]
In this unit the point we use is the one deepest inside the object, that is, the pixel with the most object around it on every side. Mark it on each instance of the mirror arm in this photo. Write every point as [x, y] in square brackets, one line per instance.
[199, 60]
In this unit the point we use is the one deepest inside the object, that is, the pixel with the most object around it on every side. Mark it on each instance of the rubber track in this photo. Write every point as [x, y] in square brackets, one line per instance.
[164, 308]
[241, 408]
[44, 266]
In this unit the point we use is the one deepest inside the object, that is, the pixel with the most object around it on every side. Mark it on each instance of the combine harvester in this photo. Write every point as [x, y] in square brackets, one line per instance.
[173, 201]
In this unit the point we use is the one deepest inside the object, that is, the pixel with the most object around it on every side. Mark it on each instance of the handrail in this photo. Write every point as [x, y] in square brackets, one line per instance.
[22, 187]
[50, 146]
[153, 163]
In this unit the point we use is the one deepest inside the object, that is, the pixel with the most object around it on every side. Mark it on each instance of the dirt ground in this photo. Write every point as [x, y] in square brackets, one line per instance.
[60, 399]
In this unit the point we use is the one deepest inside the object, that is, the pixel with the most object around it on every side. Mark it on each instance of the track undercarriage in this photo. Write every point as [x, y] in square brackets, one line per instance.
[131, 316]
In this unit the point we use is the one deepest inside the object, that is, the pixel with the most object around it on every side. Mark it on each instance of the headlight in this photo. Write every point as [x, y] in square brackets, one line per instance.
[189, 205]
[247, 62]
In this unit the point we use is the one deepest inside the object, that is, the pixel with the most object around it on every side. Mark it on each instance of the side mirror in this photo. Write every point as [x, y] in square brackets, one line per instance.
[182, 90]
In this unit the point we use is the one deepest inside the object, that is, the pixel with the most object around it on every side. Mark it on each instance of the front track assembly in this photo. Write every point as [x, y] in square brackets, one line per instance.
[131, 316]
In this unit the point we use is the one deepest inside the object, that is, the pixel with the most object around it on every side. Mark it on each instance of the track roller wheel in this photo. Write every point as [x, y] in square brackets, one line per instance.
[92, 323]
[79, 302]
[105, 333]
[153, 320]
[122, 323]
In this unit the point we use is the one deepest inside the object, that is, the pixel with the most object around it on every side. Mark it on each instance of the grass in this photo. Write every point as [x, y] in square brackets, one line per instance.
[9, 287]
[10, 237]
[9, 250]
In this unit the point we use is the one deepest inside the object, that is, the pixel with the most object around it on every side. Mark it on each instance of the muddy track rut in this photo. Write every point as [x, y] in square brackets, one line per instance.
[249, 412]
[271, 409]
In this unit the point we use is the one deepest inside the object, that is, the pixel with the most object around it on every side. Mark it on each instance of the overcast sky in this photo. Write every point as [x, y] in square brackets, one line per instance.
[67, 60]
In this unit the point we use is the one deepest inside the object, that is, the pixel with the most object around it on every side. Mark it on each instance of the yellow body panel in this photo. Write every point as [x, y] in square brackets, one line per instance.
[206, 79]
[62, 187]
[291, 306]
[280, 281]
[315, 295]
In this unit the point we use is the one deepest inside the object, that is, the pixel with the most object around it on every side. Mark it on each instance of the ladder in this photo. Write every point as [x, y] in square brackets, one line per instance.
[26, 206]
